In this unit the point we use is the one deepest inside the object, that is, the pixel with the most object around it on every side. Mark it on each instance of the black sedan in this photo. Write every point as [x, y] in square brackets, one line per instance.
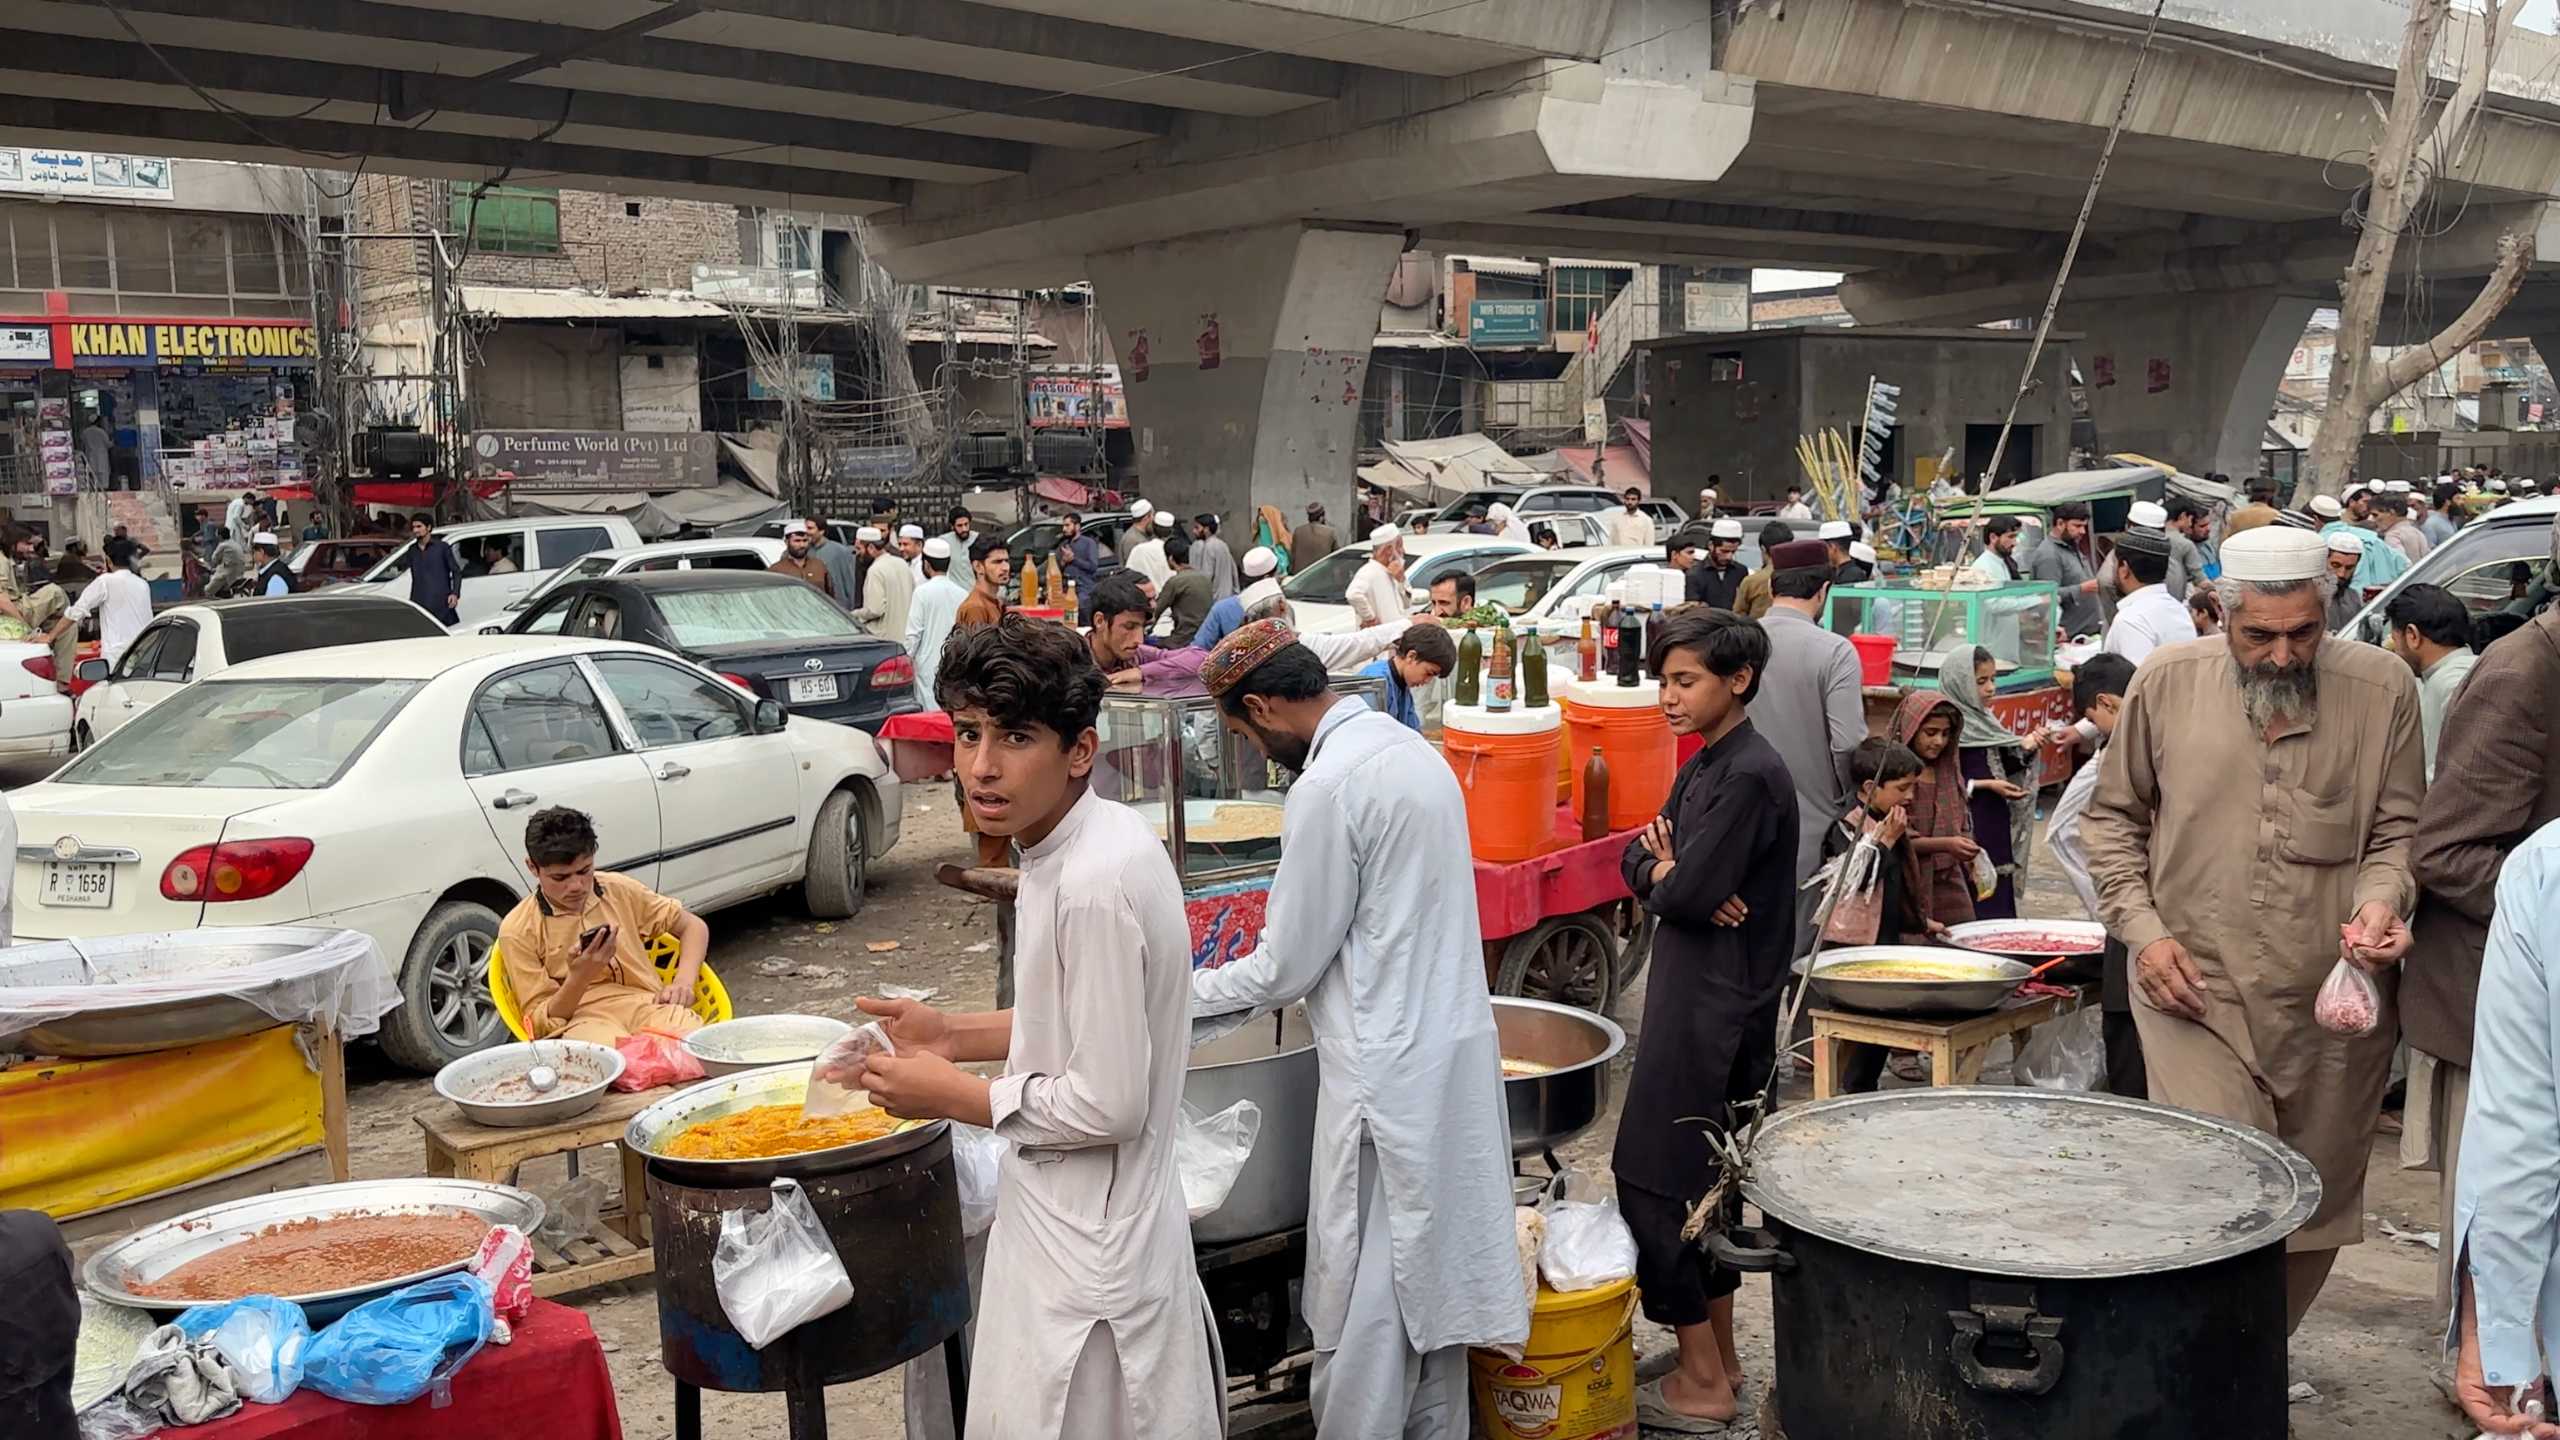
[771, 635]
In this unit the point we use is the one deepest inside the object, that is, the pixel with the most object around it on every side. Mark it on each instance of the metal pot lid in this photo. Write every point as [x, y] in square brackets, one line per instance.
[2038, 1184]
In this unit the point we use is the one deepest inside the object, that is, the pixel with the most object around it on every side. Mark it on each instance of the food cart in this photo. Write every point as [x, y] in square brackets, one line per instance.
[2016, 622]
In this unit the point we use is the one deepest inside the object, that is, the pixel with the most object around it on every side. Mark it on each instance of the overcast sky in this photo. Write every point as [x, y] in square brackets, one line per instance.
[2541, 14]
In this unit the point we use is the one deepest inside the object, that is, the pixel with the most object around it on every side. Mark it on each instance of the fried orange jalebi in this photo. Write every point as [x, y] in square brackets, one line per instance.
[769, 1130]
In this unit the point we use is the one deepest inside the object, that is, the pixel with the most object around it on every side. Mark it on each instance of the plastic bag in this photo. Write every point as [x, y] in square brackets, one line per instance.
[1855, 895]
[391, 1350]
[775, 1269]
[2349, 1003]
[650, 1060]
[260, 1337]
[118, 1418]
[505, 1265]
[1986, 876]
[835, 1077]
[571, 1210]
[1210, 1151]
[977, 1155]
[1588, 1244]
[2069, 1053]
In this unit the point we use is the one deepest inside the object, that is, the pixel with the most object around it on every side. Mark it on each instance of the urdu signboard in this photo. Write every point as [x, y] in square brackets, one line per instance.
[588, 462]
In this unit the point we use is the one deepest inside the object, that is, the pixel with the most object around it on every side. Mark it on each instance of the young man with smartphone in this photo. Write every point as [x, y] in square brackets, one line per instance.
[577, 949]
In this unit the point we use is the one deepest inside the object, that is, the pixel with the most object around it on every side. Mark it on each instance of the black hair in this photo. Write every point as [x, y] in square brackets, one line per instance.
[1429, 644]
[2443, 495]
[1292, 673]
[1631, 490]
[2106, 673]
[1023, 672]
[1775, 534]
[1996, 525]
[2262, 489]
[883, 505]
[2151, 567]
[1462, 584]
[1177, 550]
[1795, 489]
[1857, 529]
[2070, 510]
[558, 836]
[1206, 522]
[1723, 641]
[1882, 760]
[1692, 537]
[2389, 502]
[960, 513]
[984, 546]
[2434, 610]
[1117, 594]
[2493, 627]
[2182, 506]
[1802, 583]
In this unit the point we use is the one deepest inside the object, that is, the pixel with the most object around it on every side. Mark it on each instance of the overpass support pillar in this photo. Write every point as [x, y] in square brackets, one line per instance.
[2188, 378]
[1243, 354]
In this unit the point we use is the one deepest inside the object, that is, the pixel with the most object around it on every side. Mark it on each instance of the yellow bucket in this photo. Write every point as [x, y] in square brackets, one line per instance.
[1576, 1379]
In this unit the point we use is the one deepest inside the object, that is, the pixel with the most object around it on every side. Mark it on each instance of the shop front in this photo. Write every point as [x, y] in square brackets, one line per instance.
[204, 405]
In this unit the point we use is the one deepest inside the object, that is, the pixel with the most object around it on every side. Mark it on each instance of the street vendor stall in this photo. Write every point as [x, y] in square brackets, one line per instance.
[1912, 624]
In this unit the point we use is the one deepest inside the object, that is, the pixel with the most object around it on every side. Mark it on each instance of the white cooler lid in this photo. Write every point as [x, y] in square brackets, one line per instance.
[1607, 694]
[1477, 720]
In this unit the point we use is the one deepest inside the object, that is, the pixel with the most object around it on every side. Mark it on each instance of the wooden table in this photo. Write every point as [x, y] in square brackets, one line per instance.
[1956, 1046]
[619, 1247]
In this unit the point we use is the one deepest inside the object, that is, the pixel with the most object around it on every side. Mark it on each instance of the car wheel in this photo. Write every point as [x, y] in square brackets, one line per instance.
[839, 859]
[445, 1011]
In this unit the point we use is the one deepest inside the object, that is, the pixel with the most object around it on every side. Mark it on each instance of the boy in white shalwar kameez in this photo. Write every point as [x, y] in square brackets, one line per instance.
[1092, 1323]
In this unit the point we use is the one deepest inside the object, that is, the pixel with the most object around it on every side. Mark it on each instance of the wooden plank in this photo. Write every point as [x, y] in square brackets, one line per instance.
[545, 1256]
[333, 1101]
[549, 1284]
[614, 1242]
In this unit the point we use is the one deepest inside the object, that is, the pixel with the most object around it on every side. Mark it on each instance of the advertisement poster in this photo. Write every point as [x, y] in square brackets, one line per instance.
[574, 462]
[85, 174]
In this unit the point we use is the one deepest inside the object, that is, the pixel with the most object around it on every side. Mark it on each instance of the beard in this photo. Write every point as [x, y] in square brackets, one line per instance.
[1279, 745]
[2267, 691]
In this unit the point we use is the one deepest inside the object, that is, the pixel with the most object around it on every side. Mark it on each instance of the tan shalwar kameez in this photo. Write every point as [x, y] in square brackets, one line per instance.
[2251, 853]
[538, 944]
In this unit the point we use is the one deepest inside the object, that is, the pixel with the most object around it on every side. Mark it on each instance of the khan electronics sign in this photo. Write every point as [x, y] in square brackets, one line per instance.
[586, 462]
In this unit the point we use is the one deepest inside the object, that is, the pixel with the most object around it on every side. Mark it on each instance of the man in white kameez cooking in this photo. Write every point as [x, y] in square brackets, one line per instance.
[1092, 1323]
[1411, 1255]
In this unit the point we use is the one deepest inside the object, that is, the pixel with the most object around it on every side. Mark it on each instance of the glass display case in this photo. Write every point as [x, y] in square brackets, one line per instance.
[2016, 622]
[1212, 794]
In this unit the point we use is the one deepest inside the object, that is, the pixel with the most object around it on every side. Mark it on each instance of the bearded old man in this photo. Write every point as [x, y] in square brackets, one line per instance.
[2251, 828]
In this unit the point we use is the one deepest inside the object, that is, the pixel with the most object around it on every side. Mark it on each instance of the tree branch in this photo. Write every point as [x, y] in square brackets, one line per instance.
[2452, 132]
[2515, 257]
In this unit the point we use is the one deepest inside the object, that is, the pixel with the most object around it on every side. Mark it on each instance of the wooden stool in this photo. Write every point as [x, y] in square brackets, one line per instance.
[1956, 1046]
[618, 1248]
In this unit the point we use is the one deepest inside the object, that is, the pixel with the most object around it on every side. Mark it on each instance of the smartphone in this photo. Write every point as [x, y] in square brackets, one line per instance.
[588, 937]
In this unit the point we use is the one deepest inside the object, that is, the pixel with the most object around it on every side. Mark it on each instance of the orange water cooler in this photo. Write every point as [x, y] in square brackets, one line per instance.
[1625, 723]
[1505, 761]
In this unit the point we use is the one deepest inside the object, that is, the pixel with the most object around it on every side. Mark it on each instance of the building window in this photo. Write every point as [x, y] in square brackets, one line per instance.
[509, 220]
[1583, 291]
[792, 249]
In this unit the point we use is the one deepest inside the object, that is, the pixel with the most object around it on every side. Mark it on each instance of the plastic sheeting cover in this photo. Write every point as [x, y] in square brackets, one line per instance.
[296, 974]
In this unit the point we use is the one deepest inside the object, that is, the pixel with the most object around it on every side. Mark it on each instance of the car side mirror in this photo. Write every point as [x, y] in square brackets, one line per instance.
[91, 670]
[771, 717]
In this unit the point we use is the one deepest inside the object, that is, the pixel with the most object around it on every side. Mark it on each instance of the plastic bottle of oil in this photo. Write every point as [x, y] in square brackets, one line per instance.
[1595, 796]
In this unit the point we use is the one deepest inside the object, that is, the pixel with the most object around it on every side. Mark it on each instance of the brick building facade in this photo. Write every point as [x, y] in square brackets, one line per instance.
[534, 238]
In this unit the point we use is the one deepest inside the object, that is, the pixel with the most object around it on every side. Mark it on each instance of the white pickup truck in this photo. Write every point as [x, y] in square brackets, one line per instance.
[534, 546]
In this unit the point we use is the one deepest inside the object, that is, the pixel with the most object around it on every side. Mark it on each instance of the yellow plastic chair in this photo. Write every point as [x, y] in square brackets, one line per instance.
[710, 997]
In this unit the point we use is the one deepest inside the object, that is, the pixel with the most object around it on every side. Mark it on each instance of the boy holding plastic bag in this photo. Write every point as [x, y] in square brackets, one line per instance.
[1092, 1322]
[1887, 906]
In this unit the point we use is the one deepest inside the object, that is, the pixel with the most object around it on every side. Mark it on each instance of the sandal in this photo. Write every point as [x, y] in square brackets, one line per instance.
[1655, 1413]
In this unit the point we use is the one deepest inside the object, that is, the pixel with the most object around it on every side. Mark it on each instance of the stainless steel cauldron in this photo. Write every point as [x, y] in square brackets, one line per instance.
[1563, 1099]
[1271, 1062]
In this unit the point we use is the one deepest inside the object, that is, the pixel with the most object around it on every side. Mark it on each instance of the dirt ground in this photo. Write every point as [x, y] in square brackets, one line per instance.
[2367, 1348]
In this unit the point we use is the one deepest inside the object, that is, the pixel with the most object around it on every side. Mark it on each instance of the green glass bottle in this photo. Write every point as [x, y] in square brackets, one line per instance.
[1533, 669]
[1470, 667]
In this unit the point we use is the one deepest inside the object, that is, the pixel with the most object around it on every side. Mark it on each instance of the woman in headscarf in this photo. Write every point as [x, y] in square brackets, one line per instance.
[1996, 765]
[1506, 524]
[1942, 840]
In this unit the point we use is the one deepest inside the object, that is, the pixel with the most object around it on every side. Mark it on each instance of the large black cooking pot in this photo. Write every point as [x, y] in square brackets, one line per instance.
[2000, 1264]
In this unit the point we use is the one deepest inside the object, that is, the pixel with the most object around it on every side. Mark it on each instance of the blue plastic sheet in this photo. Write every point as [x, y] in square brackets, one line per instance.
[262, 1339]
[394, 1349]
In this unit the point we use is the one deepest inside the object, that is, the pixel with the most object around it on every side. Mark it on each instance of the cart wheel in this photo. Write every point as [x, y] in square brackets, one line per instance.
[1572, 960]
[1639, 948]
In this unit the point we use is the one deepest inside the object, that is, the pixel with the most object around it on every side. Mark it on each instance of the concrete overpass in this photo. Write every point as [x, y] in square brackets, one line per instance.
[1237, 176]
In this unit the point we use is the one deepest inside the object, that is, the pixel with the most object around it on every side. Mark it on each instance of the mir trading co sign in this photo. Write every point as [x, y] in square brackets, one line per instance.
[588, 462]
[1507, 322]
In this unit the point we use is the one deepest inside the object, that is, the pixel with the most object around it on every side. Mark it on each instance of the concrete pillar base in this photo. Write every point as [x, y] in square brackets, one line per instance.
[2189, 379]
[1243, 353]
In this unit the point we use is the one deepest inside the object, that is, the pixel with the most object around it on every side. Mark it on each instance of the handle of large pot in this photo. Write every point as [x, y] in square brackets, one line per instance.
[2042, 1335]
[1751, 1250]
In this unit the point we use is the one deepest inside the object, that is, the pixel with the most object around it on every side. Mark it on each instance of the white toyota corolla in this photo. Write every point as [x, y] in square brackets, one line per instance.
[385, 788]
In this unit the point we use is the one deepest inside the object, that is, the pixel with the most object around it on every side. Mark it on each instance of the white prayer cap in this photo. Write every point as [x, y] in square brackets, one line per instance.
[1259, 561]
[2497, 487]
[264, 537]
[938, 548]
[1167, 517]
[1861, 551]
[1384, 535]
[910, 532]
[2528, 483]
[1142, 508]
[2275, 553]
[2325, 506]
[1257, 594]
[2399, 487]
[1834, 530]
[2343, 542]
[794, 527]
[1707, 492]
[2147, 514]
[2357, 489]
[866, 536]
[1726, 529]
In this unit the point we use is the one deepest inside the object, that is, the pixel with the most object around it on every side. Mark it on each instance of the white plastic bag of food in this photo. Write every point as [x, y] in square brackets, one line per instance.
[977, 1155]
[1588, 1244]
[2348, 1003]
[775, 1269]
[1210, 1151]
[2069, 1053]
[835, 1077]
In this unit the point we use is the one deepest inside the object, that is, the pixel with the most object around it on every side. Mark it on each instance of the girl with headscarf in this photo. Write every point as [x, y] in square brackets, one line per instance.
[1996, 765]
[1942, 842]
[1506, 524]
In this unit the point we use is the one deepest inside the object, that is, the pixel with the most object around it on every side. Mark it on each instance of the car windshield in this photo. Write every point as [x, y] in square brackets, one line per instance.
[245, 735]
[1515, 585]
[588, 566]
[391, 563]
[1328, 581]
[301, 555]
[702, 619]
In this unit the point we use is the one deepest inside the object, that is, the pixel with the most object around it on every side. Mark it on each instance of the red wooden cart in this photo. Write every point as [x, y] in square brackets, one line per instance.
[1562, 925]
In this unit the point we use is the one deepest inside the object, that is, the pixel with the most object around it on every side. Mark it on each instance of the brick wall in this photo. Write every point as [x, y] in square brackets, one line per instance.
[607, 241]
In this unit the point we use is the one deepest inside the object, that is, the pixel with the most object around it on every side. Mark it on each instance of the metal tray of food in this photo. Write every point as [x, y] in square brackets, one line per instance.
[491, 1086]
[148, 1254]
[754, 1042]
[652, 1129]
[2043, 939]
[111, 961]
[1957, 982]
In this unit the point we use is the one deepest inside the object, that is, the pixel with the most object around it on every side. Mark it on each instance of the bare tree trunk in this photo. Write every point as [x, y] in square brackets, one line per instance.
[2358, 383]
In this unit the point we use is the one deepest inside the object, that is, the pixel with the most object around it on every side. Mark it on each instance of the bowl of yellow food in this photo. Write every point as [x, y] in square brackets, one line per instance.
[746, 1129]
[1914, 979]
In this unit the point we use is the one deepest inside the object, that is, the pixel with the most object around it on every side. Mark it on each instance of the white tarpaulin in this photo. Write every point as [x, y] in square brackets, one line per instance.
[1457, 465]
[75, 997]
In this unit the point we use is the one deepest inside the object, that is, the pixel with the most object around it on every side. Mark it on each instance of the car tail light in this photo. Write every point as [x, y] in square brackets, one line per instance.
[898, 672]
[236, 870]
[741, 681]
[40, 666]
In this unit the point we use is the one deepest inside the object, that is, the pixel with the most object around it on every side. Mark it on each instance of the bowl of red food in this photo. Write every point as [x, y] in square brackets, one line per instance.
[2029, 939]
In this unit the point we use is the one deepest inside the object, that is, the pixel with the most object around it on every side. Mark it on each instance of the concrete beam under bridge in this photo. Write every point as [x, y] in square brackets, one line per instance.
[2189, 379]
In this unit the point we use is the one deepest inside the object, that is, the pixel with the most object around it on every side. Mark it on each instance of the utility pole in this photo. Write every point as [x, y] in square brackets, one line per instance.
[2419, 143]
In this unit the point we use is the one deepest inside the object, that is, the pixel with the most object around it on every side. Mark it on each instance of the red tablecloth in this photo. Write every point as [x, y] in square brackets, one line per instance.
[933, 726]
[550, 1383]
